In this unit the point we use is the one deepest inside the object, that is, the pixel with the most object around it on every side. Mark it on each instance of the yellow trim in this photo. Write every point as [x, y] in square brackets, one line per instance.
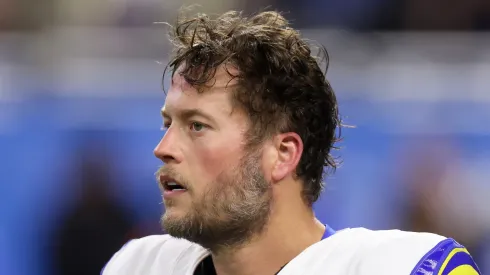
[448, 258]
[464, 270]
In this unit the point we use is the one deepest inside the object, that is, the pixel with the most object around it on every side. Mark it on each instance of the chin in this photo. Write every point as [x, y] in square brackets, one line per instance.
[175, 222]
[174, 212]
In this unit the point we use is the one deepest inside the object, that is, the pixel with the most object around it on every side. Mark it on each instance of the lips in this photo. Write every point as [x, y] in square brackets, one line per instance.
[170, 184]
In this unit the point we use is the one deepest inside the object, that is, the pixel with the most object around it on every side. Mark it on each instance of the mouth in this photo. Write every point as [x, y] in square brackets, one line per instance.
[171, 187]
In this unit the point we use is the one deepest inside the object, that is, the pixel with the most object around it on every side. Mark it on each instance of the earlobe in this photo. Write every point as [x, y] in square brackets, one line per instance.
[289, 148]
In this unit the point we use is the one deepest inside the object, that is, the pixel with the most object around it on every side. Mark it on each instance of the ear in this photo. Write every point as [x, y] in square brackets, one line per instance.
[289, 148]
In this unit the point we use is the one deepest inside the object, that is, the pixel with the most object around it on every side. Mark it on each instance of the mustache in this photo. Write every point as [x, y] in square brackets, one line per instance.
[170, 172]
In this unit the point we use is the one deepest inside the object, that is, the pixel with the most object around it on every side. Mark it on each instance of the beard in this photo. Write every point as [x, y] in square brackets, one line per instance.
[231, 212]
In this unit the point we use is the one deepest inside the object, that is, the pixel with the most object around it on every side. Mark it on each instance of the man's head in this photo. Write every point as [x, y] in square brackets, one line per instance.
[248, 109]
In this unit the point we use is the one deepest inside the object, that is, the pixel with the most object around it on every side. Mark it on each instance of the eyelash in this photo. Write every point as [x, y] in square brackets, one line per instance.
[165, 126]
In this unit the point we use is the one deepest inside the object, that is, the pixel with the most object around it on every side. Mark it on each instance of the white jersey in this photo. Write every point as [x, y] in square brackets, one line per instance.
[355, 251]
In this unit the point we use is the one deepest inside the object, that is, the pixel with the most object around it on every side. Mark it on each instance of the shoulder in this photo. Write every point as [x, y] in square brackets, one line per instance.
[157, 252]
[448, 257]
[401, 252]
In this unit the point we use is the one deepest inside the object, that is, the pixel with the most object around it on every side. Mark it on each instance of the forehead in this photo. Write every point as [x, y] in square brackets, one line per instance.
[214, 97]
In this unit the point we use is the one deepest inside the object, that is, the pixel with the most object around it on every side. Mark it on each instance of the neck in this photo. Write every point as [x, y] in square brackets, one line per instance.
[287, 234]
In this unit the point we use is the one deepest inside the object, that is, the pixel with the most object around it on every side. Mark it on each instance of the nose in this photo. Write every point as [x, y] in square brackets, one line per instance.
[168, 149]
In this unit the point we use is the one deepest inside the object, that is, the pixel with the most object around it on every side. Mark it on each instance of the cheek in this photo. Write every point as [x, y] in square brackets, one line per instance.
[214, 158]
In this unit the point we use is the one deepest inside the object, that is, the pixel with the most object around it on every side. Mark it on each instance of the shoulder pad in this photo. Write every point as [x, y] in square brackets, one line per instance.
[447, 258]
[389, 252]
[152, 252]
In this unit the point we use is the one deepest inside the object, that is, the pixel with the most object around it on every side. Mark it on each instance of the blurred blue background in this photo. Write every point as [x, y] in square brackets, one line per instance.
[80, 98]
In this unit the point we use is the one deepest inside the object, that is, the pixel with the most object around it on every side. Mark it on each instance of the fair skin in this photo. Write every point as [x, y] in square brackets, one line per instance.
[205, 139]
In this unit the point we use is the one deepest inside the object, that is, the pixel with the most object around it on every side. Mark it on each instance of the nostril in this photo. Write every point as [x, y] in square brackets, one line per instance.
[167, 158]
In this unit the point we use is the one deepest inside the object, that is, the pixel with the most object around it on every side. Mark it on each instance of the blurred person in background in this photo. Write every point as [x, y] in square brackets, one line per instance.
[451, 15]
[24, 15]
[96, 224]
[250, 125]
[441, 197]
[420, 15]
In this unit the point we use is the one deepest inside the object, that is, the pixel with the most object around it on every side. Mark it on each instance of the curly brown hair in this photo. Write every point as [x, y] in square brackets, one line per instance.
[280, 83]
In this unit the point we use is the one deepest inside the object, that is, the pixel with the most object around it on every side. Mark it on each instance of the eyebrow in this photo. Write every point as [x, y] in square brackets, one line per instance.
[188, 113]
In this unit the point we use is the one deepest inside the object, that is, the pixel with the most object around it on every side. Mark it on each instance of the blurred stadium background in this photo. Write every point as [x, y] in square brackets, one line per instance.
[79, 117]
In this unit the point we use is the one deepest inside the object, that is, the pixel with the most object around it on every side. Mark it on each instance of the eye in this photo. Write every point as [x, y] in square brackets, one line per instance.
[197, 126]
[165, 126]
